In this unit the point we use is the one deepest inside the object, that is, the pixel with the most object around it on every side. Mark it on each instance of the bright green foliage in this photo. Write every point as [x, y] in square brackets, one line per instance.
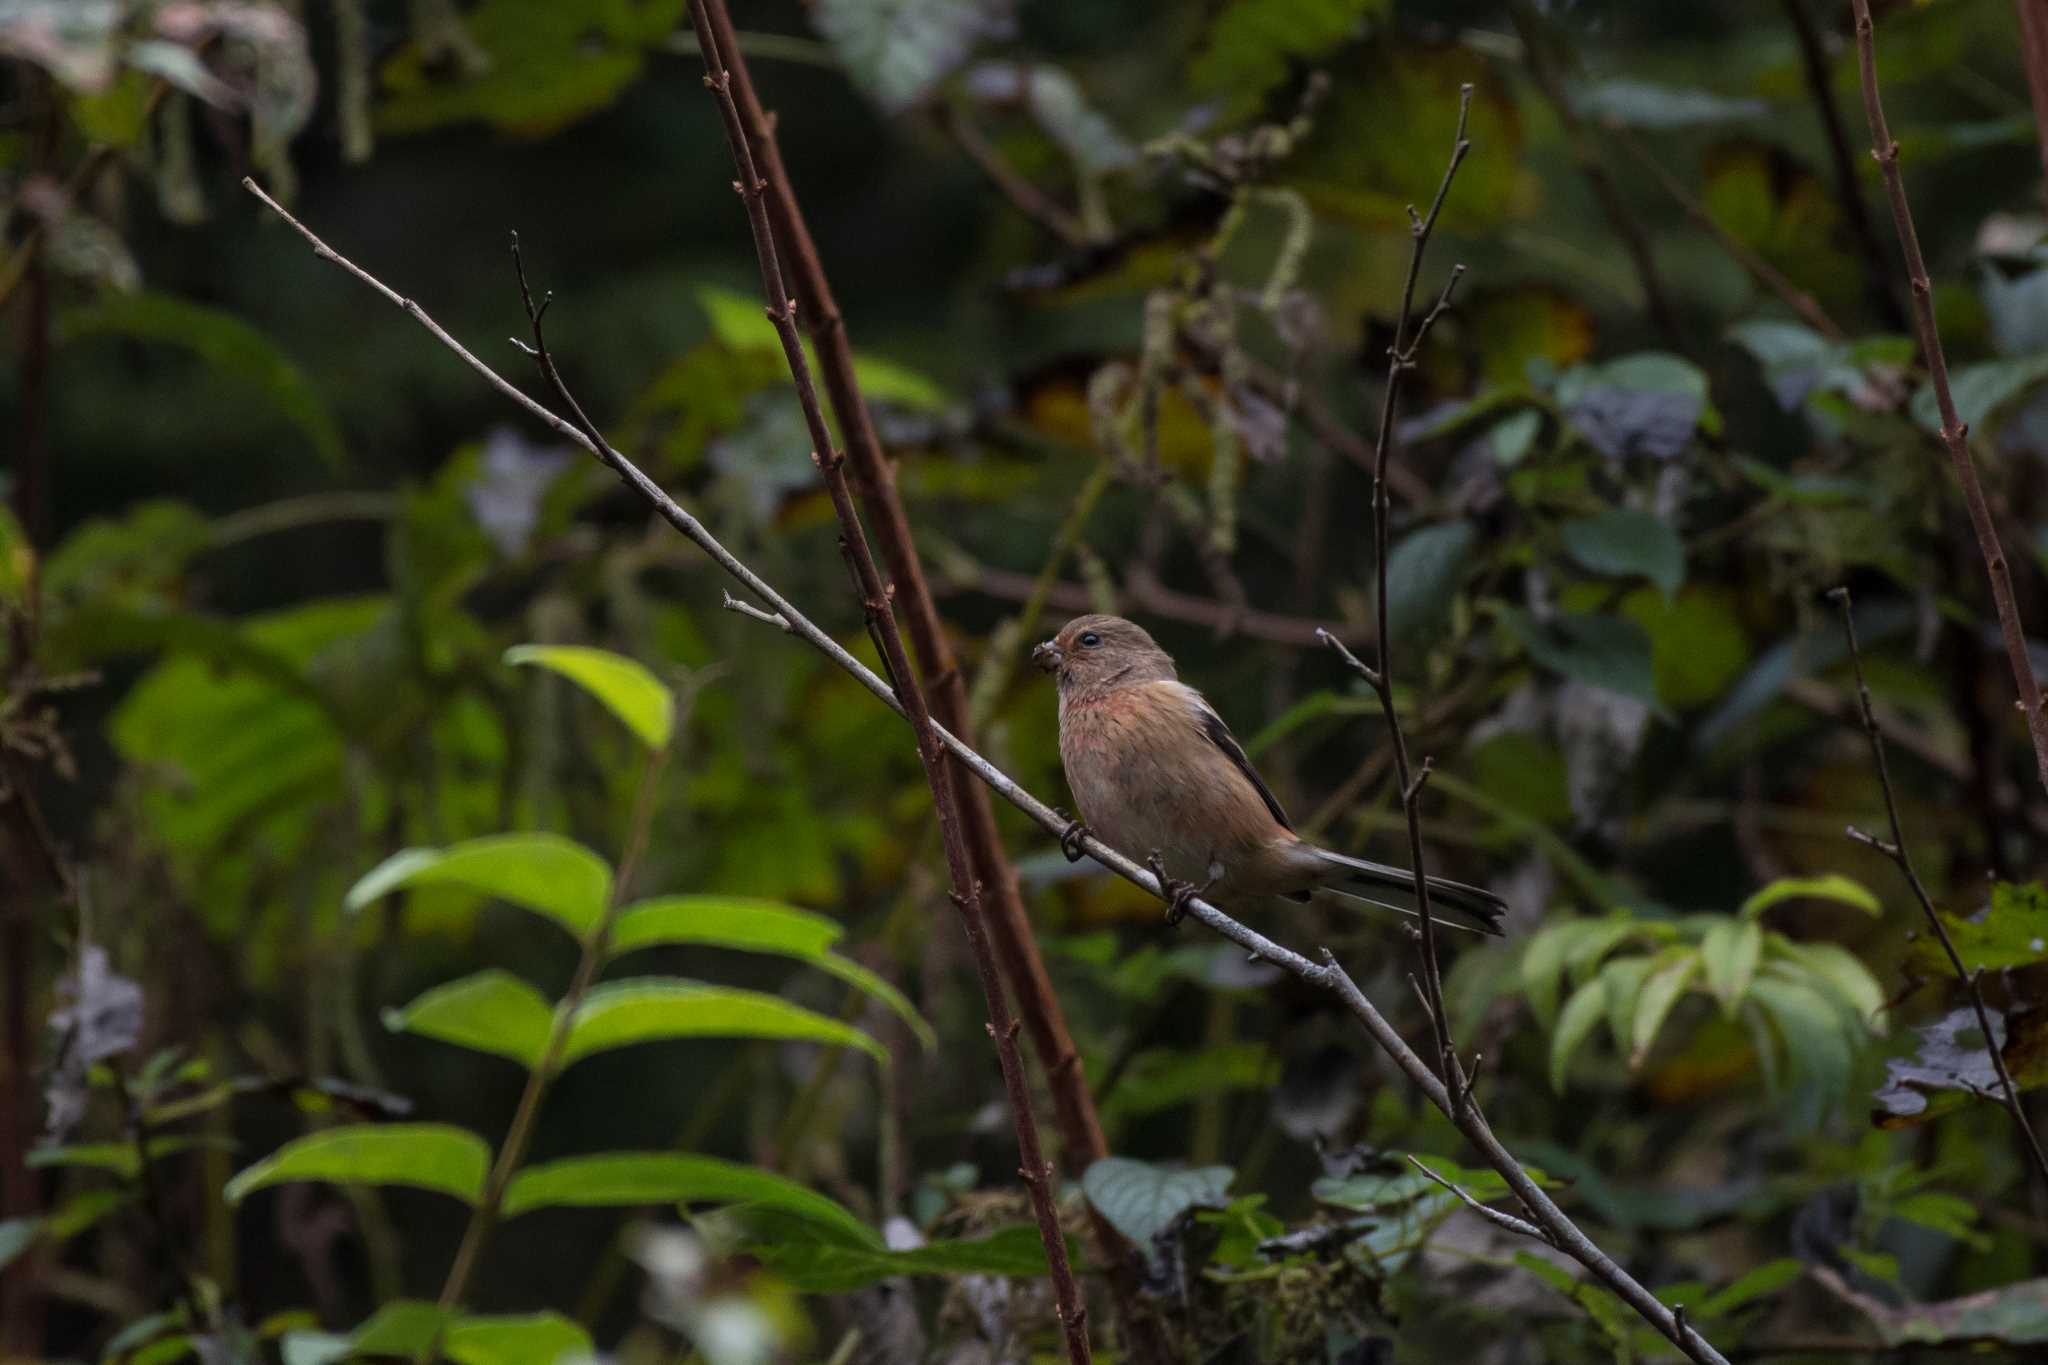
[757, 926]
[492, 1011]
[621, 1013]
[626, 688]
[633, 1178]
[549, 875]
[428, 1156]
[1812, 1008]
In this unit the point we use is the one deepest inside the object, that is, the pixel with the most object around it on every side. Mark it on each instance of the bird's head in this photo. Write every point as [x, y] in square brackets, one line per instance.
[1097, 653]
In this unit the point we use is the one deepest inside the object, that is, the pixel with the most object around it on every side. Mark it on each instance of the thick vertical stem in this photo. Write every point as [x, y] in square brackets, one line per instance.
[874, 477]
[1955, 433]
[753, 190]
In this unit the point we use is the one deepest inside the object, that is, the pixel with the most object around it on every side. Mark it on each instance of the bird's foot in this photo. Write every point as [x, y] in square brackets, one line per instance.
[1177, 892]
[1072, 835]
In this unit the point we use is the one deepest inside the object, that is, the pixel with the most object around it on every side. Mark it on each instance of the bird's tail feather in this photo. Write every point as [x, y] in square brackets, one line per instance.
[1453, 903]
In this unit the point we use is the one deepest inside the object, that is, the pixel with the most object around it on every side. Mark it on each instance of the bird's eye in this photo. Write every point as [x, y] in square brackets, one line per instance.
[1089, 639]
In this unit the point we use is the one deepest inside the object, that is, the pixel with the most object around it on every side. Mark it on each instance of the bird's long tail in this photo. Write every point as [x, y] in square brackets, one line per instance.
[1454, 903]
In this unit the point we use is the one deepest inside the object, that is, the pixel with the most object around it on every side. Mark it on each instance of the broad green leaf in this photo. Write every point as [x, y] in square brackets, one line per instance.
[1622, 542]
[1640, 104]
[2012, 932]
[428, 1156]
[1659, 994]
[492, 1011]
[1140, 1199]
[620, 1179]
[1697, 644]
[404, 1328]
[1832, 887]
[1423, 574]
[1765, 1280]
[834, 1268]
[1818, 1053]
[16, 1236]
[621, 1013]
[1252, 44]
[1983, 391]
[1838, 973]
[740, 324]
[543, 1338]
[1729, 955]
[1585, 1008]
[1607, 651]
[1623, 979]
[223, 341]
[1548, 953]
[544, 873]
[626, 687]
[757, 926]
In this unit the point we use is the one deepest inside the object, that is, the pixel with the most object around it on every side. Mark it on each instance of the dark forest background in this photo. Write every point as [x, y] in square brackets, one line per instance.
[1120, 283]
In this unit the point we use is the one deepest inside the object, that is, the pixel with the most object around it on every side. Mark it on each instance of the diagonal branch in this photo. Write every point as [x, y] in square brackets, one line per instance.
[1036, 1171]
[1955, 433]
[1323, 975]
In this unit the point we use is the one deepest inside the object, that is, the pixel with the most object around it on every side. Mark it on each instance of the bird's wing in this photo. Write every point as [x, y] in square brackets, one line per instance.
[1218, 734]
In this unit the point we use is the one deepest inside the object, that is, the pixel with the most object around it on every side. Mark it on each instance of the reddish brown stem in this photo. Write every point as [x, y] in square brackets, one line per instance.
[2034, 55]
[1955, 433]
[753, 188]
[874, 478]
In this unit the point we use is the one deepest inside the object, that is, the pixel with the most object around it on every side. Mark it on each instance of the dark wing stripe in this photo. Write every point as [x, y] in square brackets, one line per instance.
[1219, 735]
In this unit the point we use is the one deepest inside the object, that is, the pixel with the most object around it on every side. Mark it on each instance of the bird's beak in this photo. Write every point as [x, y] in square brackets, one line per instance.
[1047, 656]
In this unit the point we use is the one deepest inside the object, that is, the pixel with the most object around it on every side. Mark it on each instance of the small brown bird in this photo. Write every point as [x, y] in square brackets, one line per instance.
[1155, 771]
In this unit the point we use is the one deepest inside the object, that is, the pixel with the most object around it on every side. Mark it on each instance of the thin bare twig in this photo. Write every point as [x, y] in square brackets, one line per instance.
[1895, 849]
[1408, 781]
[1520, 1226]
[1955, 433]
[1324, 975]
[1035, 1170]
[1024, 196]
[1744, 255]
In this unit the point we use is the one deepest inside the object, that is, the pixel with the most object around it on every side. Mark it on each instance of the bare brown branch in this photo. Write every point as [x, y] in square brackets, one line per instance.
[1895, 849]
[1955, 433]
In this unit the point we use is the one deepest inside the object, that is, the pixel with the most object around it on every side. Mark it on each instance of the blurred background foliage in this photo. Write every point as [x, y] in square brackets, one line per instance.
[1120, 280]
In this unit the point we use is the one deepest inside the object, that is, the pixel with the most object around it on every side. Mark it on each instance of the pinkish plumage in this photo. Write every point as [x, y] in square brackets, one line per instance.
[1154, 769]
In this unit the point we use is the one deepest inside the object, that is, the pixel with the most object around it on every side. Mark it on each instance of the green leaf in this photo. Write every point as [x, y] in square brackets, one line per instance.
[1623, 979]
[1729, 954]
[2011, 932]
[516, 1339]
[492, 1011]
[1765, 1280]
[428, 1156]
[1140, 1199]
[16, 1236]
[1838, 973]
[626, 687]
[1585, 1008]
[834, 1268]
[1578, 944]
[1640, 104]
[623, 1179]
[1606, 651]
[741, 325]
[119, 1158]
[1983, 391]
[1832, 887]
[621, 1013]
[544, 873]
[1818, 1053]
[1622, 542]
[1423, 574]
[1252, 43]
[224, 342]
[1660, 993]
[757, 926]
